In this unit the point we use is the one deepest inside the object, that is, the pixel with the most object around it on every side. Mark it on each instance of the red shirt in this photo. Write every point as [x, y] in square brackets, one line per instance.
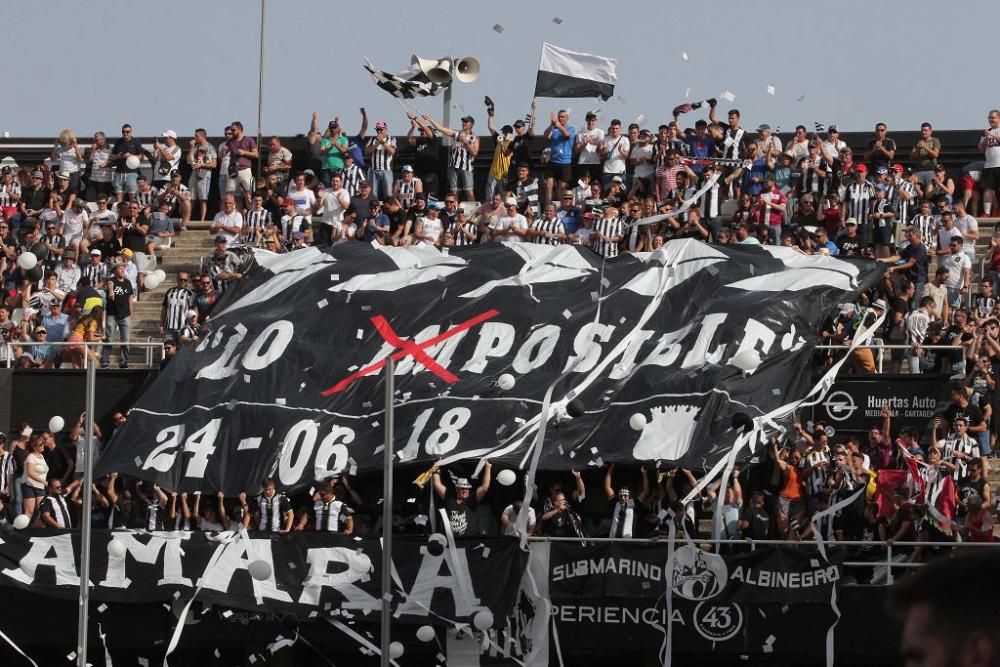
[769, 214]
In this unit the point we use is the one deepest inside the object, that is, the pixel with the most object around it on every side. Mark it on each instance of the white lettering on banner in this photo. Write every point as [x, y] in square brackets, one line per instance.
[441, 573]
[756, 333]
[406, 364]
[63, 561]
[148, 554]
[441, 440]
[600, 567]
[543, 338]
[782, 579]
[627, 363]
[358, 568]
[333, 447]
[200, 444]
[902, 402]
[699, 354]
[237, 556]
[654, 616]
[495, 340]
[269, 345]
[586, 347]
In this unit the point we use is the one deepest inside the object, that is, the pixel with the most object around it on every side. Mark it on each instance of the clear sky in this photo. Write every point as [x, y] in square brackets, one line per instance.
[186, 63]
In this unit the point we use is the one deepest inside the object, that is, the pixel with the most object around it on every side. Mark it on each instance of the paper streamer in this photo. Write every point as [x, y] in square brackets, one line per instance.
[17, 648]
[104, 641]
[358, 638]
[182, 619]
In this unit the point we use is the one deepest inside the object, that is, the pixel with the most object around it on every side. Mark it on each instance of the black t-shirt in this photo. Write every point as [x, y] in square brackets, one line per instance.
[897, 333]
[428, 152]
[973, 415]
[802, 219]
[35, 199]
[361, 206]
[918, 253]
[878, 158]
[134, 238]
[759, 522]
[108, 247]
[119, 305]
[849, 246]
[396, 220]
[951, 335]
[520, 150]
[559, 525]
[462, 517]
[132, 146]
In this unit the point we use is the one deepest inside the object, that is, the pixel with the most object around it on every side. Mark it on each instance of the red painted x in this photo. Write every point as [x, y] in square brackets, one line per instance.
[415, 350]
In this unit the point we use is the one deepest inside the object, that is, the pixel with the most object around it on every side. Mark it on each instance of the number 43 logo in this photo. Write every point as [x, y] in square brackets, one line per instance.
[718, 622]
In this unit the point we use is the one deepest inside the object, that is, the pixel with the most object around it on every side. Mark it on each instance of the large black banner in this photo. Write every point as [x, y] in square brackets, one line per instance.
[288, 379]
[729, 604]
[303, 573]
[855, 402]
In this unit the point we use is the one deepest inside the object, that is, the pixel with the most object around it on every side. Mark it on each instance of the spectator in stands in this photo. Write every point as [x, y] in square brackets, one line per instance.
[279, 163]
[379, 151]
[121, 305]
[925, 154]
[461, 505]
[464, 149]
[989, 179]
[959, 271]
[241, 150]
[125, 178]
[881, 150]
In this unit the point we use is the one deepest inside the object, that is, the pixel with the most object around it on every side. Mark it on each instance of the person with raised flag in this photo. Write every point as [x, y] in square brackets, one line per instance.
[464, 149]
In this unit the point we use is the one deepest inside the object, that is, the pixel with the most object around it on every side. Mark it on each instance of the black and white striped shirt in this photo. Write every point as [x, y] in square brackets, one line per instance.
[272, 511]
[856, 201]
[407, 191]
[811, 180]
[254, 224]
[967, 445]
[553, 226]
[97, 273]
[177, 301]
[903, 204]
[329, 516]
[927, 224]
[8, 191]
[710, 202]
[352, 178]
[609, 227]
[7, 475]
[381, 159]
[460, 158]
[147, 198]
[460, 239]
[527, 195]
[733, 143]
[56, 506]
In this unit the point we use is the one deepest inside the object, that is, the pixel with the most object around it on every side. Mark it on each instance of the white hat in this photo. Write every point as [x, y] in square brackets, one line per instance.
[170, 133]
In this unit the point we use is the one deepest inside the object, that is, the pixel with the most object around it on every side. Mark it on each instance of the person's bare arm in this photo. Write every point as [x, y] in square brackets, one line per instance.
[439, 487]
[645, 490]
[447, 131]
[484, 484]
[609, 490]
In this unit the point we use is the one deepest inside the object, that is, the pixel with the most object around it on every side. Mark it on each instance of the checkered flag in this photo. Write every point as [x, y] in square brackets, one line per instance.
[407, 85]
[820, 128]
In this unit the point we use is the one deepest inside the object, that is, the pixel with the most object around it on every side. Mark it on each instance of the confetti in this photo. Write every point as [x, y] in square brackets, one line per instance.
[770, 90]
[801, 98]
[366, 307]
[567, 314]
[143, 662]
[728, 96]
[352, 368]
[557, 20]
[684, 55]
[360, 334]
[687, 92]
[227, 613]
[497, 28]
[322, 303]
[71, 656]
[334, 276]
[102, 608]
[246, 378]
[279, 401]
[138, 462]
[486, 552]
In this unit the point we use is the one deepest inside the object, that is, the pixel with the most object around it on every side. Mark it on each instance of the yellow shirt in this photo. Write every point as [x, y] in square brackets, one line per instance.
[501, 160]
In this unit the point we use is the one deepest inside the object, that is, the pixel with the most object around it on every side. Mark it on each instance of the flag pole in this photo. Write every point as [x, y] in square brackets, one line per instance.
[386, 619]
[83, 617]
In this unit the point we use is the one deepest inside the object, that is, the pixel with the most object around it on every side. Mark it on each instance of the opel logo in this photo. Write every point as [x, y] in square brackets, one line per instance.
[839, 406]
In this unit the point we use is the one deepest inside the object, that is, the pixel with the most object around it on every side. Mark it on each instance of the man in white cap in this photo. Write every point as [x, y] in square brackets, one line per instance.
[461, 507]
[511, 226]
[167, 158]
[379, 151]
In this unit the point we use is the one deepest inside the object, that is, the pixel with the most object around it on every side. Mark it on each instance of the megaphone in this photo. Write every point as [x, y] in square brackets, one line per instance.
[437, 70]
[467, 70]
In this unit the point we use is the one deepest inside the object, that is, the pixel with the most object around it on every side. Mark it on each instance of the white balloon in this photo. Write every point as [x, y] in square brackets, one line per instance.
[506, 381]
[152, 281]
[747, 360]
[506, 477]
[27, 261]
[56, 424]
[260, 570]
[395, 650]
[132, 162]
[483, 620]
[21, 521]
[116, 548]
[161, 274]
[637, 421]
[425, 633]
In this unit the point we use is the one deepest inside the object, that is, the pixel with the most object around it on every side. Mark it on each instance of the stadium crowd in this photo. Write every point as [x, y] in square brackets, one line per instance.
[88, 219]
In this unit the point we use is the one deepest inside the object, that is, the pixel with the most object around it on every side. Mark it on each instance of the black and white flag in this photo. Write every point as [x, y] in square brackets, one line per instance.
[406, 85]
[288, 380]
[563, 73]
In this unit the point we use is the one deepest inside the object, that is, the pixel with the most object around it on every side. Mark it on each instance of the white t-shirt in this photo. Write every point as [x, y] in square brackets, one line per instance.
[511, 515]
[98, 173]
[991, 149]
[223, 162]
[506, 224]
[944, 236]
[333, 207]
[643, 169]
[72, 223]
[956, 264]
[234, 219]
[964, 225]
[67, 159]
[615, 163]
[175, 160]
[590, 142]
[431, 227]
[304, 200]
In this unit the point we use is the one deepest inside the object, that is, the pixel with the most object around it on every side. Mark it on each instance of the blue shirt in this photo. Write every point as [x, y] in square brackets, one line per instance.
[700, 147]
[356, 149]
[832, 247]
[757, 170]
[561, 147]
[382, 220]
[570, 218]
[56, 327]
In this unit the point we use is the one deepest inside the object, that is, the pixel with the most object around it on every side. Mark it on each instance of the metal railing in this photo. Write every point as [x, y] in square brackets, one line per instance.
[882, 347]
[148, 346]
[890, 561]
